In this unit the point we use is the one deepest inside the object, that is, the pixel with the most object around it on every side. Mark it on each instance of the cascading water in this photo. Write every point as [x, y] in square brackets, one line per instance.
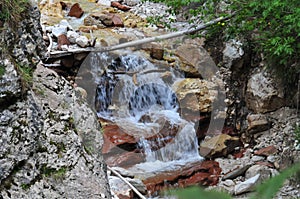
[137, 96]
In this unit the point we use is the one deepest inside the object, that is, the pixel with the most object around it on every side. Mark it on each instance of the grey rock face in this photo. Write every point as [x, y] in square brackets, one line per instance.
[51, 143]
[264, 94]
[50, 140]
[10, 85]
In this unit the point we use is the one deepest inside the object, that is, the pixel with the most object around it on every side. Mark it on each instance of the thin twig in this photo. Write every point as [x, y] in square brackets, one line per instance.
[128, 183]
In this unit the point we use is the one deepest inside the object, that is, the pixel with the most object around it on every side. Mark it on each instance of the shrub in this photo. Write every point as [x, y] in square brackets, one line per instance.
[270, 27]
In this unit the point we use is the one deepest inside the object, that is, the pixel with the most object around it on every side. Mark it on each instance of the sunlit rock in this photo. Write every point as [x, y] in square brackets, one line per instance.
[220, 145]
[195, 95]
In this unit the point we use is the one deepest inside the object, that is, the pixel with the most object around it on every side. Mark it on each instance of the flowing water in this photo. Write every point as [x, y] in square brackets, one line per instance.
[138, 97]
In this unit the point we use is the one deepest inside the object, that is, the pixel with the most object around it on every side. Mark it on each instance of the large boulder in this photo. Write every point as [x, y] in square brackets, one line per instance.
[195, 95]
[264, 93]
[195, 59]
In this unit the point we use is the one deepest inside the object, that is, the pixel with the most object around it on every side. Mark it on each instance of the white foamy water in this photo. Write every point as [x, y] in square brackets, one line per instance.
[132, 93]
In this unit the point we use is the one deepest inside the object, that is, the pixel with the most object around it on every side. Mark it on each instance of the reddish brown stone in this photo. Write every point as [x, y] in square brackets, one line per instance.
[239, 154]
[114, 136]
[204, 173]
[120, 6]
[117, 21]
[266, 151]
[125, 159]
[62, 40]
[76, 11]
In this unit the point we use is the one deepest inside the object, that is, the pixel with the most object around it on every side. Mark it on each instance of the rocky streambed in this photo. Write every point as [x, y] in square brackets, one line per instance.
[243, 125]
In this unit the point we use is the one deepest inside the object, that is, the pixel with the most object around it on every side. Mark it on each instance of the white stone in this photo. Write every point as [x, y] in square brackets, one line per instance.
[82, 41]
[246, 186]
[105, 2]
[132, 2]
[257, 158]
[59, 30]
[72, 36]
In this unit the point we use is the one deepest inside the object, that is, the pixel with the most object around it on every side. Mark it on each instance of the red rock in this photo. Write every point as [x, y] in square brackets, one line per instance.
[114, 136]
[266, 151]
[239, 154]
[120, 6]
[62, 40]
[125, 159]
[204, 173]
[76, 11]
[117, 21]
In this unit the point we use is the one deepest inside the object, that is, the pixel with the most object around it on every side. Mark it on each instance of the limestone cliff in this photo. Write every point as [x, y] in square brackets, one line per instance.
[50, 140]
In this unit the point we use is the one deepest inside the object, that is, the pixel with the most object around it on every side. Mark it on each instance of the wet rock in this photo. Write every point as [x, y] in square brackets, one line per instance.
[156, 51]
[263, 171]
[62, 40]
[122, 158]
[10, 82]
[233, 53]
[196, 62]
[257, 123]
[82, 41]
[220, 145]
[119, 6]
[72, 36]
[76, 11]
[264, 94]
[204, 173]
[270, 150]
[119, 188]
[195, 95]
[247, 185]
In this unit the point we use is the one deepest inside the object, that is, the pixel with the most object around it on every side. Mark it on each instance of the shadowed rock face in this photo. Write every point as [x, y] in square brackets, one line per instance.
[50, 139]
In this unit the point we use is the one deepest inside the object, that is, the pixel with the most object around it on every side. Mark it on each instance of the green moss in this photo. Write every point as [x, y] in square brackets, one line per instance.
[25, 186]
[2, 70]
[11, 11]
[53, 173]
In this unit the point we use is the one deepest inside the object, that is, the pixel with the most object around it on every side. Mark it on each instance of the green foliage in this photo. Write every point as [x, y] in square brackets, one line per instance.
[11, 10]
[297, 134]
[198, 193]
[267, 190]
[271, 27]
[2, 70]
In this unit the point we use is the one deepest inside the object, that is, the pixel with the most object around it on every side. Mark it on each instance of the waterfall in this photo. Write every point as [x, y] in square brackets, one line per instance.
[137, 96]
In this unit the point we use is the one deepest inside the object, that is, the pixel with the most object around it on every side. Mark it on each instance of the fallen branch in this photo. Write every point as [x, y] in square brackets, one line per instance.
[128, 183]
[190, 30]
[187, 31]
[50, 45]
